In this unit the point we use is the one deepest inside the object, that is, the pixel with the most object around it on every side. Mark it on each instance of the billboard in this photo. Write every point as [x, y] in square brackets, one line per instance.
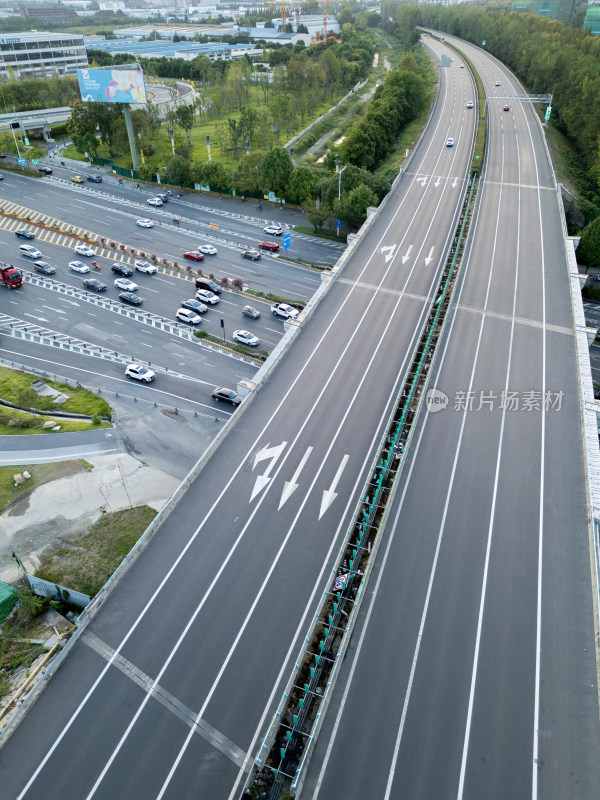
[112, 85]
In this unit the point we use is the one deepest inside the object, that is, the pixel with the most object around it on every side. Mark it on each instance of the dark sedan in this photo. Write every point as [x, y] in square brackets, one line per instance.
[94, 285]
[130, 298]
[94, 178]
[254, 255]
[122, 269]
[43, 267]
[45, 170]
[194, 255]
[23, 233]
[194, 305]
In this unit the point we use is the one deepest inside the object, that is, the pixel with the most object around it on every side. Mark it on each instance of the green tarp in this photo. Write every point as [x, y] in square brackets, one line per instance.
[8, 598]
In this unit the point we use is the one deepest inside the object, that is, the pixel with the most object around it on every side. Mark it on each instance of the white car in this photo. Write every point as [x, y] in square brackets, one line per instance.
[126, 285]
[84, 250]
[78, 266]
[140, 373]
[470, 104]
[245, 337]
[187, 316]
[207, 297]
[497, 83]
[450, 142]
[145, 223]
[154, 201]
[207, 249]
[146, 266]
[29, 251]
[273, 230]
[285, 311]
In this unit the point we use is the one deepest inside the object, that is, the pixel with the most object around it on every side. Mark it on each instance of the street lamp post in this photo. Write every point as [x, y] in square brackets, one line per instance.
[14, 125]
[340, 181]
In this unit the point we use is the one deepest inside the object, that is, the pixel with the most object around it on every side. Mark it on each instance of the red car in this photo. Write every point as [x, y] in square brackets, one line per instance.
[507, 108]
[194, 255]
[269, 246]
[3, 155]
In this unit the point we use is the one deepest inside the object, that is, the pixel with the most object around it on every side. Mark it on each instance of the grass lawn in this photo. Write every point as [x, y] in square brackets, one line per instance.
[86, 564]
[40, 473]
[162, 142]
[15, 387]
[66, 425]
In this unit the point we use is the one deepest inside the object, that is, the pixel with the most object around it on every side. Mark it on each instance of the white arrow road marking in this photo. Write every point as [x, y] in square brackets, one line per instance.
[267, 452]
[290, 487]
[391, 248]
[407, 254]
[437, 183]
[330, 494]
[35, 316]
[429, 258]
[422, 181]
[454, 183]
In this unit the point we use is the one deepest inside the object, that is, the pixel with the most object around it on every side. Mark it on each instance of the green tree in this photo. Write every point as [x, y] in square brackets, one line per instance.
[317, 216]
[81, 127]
[301, 185]
[588, 251]
[185, 119]
[354, 205]
[274, 171]
[178, 171]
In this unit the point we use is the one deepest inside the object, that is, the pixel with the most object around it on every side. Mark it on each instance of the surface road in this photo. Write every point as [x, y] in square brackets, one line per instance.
[176, 678]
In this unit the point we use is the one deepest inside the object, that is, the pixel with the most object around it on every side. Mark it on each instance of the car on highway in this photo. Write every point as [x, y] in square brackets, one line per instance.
[77, 179]
[470, 104]
[163, 196]
[45, 170]
[1, 177]
[139, 373]
[130, 298]
[207, 249]
[188, 316]
[94, 285]
[207, 297]
[145, 223]
[208, 284]
[273, 229]
[194, 255]
[245, 337]
[154, 201]
[497, 83]
[24, 233]
[226, 395]
[194, 305]
[121, 269]
[29, 251]
[84, 250]
[252, 254]
[146, 266]
[44, 267]
[450, 142]
[507, 107]
[285, 311]
[269, 246]
[3, 155]
[250, 311]
[78, 266]
[125, 284]
[94, 178]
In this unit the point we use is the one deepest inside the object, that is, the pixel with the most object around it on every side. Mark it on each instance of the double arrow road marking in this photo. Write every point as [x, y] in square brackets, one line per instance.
[272, 454]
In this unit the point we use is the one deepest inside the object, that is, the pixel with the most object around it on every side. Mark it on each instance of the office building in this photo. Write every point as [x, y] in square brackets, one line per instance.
[37, 53]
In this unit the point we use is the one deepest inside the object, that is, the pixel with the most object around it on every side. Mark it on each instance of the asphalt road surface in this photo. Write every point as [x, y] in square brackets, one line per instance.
[473, 671]
[176, 678]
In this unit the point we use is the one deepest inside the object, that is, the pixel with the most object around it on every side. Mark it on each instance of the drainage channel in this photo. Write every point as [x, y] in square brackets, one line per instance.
[280, 764]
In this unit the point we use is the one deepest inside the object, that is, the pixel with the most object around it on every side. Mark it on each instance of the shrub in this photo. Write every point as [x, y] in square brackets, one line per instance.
[238, 283]
[111, 244]
[132, 250]
[199, 271]
[188, 267]
[224, 281]
[152, 257]
[21, 422]
[121, 247]
[164, 261]
[211, 276]
[143, 255]
[95, 419]
[175, 264]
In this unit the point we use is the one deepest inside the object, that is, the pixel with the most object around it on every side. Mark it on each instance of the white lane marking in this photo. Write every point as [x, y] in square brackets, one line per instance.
[158, 590]
[289, 487]
[267, 453]
[406, 256]
[330, 494]
[429, 258]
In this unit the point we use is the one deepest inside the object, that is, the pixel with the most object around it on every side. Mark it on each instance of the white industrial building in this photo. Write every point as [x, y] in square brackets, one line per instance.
[40, 54]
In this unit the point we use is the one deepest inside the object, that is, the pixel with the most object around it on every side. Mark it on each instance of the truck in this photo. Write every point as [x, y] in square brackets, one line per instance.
[10, 277]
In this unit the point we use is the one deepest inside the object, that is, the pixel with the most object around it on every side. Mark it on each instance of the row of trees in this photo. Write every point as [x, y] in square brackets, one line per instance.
[397, 101]
[30, 94]
[547, 57]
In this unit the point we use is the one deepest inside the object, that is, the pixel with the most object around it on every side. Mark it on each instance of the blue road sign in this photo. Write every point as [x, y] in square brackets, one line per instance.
[338, 223]
[286, 241]
[21, 161]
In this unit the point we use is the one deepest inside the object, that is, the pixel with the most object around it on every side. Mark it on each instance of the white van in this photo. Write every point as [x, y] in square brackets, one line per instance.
[29, 251]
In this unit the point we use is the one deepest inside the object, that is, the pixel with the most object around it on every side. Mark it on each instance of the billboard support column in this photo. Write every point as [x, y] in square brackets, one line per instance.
[131, 135]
